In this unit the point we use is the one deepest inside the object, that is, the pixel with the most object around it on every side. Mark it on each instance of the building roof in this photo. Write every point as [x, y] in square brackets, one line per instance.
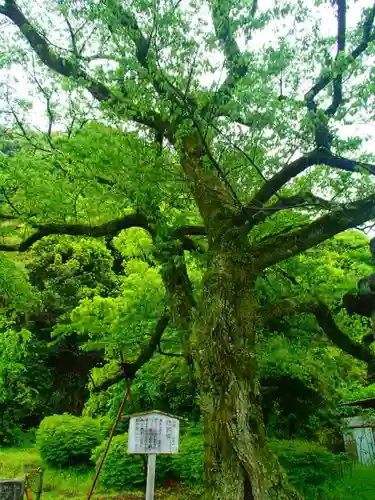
[364, 403]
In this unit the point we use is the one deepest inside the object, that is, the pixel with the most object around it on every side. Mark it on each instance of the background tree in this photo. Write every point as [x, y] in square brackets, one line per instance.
[253, 148]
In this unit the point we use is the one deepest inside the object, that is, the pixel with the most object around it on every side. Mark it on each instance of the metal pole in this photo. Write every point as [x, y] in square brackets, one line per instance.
[151, 466]
[117, 419]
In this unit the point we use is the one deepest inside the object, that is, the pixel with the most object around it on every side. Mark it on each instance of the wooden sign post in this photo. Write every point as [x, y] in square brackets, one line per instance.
[153, 433]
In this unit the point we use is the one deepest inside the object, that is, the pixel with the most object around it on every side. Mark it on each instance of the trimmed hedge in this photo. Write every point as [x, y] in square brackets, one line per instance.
[64, 440]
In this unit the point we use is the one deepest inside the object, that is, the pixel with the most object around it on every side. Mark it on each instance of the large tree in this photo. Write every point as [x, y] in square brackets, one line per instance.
[255, 127]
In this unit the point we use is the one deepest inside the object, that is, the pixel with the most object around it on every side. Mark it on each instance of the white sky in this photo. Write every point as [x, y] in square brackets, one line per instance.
[18, 81]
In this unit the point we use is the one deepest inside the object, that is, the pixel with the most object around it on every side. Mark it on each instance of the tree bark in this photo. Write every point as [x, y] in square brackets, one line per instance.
[238, 463]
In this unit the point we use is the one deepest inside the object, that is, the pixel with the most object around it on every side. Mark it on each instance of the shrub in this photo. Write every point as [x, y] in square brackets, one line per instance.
[65, 440]
[123, 471]
[188, 465]
[308, 465]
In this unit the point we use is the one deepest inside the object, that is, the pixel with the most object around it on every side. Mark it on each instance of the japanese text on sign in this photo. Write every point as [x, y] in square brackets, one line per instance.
[153, 433]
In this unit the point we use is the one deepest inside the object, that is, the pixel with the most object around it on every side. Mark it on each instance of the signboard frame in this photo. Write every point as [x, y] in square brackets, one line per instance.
[163, 433]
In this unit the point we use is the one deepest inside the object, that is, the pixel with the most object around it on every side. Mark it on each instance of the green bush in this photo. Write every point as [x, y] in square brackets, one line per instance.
[123, 471]
[188, 465]
[308, 465]
[64, 440]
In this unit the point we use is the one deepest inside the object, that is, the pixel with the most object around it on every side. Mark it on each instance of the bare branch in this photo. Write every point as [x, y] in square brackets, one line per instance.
[254, 8]
[106, 229]
[47, 96]
[161, 83]
[227, 37]
[129, 370]
[345, 164]
[72, 37]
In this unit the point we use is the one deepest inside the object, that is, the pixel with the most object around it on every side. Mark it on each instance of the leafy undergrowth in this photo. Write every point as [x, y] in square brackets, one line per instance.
[73, 483]
[358, 484]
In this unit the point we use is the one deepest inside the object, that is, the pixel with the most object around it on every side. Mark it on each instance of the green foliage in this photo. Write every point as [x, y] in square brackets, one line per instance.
[303, 375]
[23, 378]
[299, 397]
[120, 470]
[308, 465]
[188, 465]
[66, 270]
[64, 440]
[16, 293]
[124, 471]
[359, 484]
[124, 322]
[355, 392]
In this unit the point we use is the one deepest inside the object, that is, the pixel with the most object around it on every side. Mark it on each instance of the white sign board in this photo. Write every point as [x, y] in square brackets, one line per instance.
[153, 432]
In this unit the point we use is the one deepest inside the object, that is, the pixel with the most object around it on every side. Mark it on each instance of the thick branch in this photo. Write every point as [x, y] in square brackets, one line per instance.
[341, 39]
[190, 231]
[325, 321]
[289, 171]
[345, 217]
[108, 228]
[69, 68]
[227, 37]
[47, 55]
[296, 167]
[258, 215]
[163, 86]
[345, 164]
[235, 61]
[128, 21]
[367, 37]
[128, 370]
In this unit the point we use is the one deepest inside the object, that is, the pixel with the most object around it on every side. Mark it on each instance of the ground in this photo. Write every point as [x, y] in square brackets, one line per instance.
[71, 483]
[358, 483]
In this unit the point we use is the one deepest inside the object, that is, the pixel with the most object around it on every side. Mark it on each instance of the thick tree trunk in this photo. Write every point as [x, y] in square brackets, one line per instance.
[238, 462]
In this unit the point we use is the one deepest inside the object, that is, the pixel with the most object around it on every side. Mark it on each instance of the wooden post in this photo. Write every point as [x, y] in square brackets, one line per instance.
[151, 466]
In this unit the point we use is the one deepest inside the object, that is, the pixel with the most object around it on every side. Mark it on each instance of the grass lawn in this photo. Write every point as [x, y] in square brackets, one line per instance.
[74, 483]
[358, 484]
[71, 483]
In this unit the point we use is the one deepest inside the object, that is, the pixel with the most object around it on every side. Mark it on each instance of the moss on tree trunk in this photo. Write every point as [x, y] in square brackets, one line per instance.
[238, 463]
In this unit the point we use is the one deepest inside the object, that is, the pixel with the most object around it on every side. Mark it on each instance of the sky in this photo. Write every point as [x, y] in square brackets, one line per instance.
[21, 88]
